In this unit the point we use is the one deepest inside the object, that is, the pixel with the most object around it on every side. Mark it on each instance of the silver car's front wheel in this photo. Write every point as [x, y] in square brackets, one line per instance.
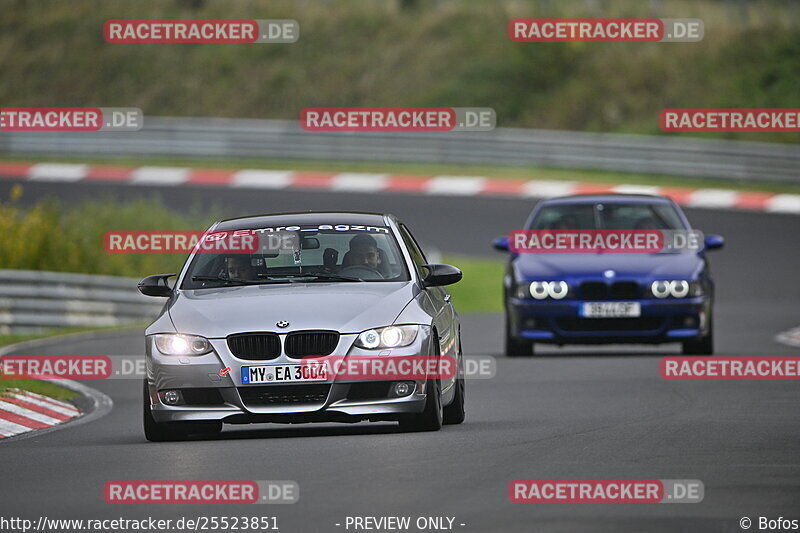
[432, 416]
[430, 419]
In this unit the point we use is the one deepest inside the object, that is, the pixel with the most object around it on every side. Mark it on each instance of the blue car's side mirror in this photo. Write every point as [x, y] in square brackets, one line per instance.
[501, 243]
[714, 242]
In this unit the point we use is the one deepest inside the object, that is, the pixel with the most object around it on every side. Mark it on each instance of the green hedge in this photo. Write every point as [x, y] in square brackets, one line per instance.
[376, 53]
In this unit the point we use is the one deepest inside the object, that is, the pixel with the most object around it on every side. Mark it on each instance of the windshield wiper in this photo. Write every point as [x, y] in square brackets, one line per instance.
[238, 281]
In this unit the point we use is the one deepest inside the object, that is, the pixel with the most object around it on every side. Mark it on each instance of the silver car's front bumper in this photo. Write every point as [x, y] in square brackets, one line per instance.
[332, 401]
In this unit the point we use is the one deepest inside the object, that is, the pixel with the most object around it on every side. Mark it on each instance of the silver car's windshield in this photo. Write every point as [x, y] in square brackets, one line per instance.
[609, 216]
[320, 253]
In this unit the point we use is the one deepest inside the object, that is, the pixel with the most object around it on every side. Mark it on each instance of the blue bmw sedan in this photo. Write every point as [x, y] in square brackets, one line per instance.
[601, 297]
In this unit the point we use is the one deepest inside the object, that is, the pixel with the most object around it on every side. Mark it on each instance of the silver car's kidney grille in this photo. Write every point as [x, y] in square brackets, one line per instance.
[310, 343]
[255, 346]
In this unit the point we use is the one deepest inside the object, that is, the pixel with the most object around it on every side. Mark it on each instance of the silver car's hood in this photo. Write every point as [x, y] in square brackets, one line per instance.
[344, 307]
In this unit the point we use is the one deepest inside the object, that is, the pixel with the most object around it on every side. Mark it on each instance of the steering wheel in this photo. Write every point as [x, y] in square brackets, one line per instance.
[360, 272]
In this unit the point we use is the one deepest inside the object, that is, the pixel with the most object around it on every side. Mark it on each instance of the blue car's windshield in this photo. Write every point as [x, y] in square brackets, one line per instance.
[621, 216]
[328, 253]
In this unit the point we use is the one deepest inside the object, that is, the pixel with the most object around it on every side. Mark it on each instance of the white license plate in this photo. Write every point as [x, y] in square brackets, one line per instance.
[611, 309]
[284, 373]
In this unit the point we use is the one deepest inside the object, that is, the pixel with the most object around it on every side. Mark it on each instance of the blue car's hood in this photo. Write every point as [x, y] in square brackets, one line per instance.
[656, 266]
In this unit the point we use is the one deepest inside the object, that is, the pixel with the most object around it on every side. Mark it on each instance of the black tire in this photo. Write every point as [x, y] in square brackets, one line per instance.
[702, 346]
[455, 413]
[172, 431]
[515, 347]
[432, 417]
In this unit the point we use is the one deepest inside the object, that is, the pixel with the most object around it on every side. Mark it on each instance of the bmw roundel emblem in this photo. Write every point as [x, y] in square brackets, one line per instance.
[609, 273]
[282, 324]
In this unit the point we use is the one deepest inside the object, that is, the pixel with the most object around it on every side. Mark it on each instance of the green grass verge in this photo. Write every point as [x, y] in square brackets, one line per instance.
[38, 387]
[6, 340]
[431, 169]
[481, 288]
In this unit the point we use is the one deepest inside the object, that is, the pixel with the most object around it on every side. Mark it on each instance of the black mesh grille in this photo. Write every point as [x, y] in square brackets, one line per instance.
[610, 324]
[620, 290]
[369, 390]
[202, 396]
[255, 346]
[284, 394]
[306, 343]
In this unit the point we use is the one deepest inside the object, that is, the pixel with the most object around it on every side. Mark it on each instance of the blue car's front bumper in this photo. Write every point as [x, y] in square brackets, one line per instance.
[559, 322]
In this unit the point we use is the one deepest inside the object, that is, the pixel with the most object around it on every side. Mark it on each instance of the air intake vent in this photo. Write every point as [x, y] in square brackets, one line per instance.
[284, 394]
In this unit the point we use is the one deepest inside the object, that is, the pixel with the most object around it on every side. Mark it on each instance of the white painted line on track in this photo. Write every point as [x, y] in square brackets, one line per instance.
[57, 172]
[160, 175]
[262, 179]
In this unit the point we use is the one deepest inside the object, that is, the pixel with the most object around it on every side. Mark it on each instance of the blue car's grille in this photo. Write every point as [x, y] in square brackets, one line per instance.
[619, 290]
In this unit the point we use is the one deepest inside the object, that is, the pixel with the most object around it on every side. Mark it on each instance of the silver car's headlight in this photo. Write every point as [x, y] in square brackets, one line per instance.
[177, 344]
[678, 288]
[388, 337]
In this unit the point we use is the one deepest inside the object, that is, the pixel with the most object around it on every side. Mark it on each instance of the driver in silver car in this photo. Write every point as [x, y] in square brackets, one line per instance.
[239, 267]
[363, 252]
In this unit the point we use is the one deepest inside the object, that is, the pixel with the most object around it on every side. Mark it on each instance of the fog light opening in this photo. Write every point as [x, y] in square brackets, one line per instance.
[171, 397]
[402, 388]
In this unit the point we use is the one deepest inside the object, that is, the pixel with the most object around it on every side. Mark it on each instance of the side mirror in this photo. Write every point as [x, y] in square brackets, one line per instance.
[501, 243]
[439, 275]
[714, 242]
[155, 285]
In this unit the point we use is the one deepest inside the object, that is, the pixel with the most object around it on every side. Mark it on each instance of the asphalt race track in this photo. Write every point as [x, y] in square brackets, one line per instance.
[576, 413]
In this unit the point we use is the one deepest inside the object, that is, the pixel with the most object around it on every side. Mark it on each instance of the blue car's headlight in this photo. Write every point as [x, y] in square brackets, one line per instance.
[679, 288]
[177, 344]
[541, 290]
[388, 337]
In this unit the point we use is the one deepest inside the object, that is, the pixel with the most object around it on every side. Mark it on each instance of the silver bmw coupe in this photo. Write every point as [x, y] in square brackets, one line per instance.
[271, 331]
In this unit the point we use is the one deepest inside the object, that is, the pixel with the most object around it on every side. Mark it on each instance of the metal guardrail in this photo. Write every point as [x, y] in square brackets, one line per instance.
[284, 139]
[32, 301]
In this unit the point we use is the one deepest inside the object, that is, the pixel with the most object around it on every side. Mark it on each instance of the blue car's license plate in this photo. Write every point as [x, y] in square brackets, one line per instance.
[610, 310]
